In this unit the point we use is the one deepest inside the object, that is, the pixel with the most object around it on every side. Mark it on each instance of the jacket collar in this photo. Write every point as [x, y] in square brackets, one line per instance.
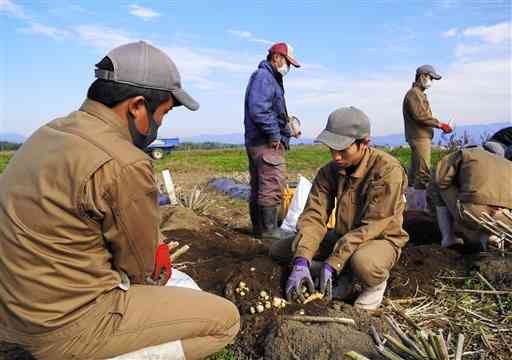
[106, 115]
[362, 167]
[418, 86]
[265, 64]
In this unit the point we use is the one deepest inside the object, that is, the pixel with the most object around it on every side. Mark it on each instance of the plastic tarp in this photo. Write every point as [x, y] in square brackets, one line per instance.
[231, 188]
[180, 279]
[297, 204]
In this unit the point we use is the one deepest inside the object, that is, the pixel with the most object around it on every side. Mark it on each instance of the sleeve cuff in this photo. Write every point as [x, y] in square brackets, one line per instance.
[336, 263]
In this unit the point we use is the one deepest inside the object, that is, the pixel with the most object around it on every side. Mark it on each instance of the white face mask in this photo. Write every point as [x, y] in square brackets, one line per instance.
[283, 70]
[426, 83]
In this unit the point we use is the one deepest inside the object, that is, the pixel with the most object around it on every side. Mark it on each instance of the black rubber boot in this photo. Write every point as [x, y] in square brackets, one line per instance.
[254, 213]
[269, 229]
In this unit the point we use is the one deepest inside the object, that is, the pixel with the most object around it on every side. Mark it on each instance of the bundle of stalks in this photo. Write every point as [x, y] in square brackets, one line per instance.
[196, 199]
[495, 227]
[466, 317]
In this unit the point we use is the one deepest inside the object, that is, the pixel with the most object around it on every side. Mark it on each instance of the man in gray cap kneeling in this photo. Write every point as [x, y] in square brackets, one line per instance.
[367, 187]
[83, 268]
[419, 124]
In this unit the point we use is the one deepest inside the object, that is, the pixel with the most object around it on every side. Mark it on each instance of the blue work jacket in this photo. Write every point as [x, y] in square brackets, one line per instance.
[266, 116]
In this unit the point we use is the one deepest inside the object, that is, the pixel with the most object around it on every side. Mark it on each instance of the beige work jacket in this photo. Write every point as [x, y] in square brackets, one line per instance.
[479, 176]
[78, 205]
[418, 119]
[370, 204]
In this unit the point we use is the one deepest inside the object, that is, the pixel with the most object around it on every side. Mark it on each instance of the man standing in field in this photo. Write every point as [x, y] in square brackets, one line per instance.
[367, 187]
[267, 137]
[81, 262]
[419, 124]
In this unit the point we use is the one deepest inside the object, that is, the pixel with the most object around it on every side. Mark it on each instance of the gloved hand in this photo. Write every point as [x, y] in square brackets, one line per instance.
[326, 281]
[300, 276]
[163, 268]
[446, 128]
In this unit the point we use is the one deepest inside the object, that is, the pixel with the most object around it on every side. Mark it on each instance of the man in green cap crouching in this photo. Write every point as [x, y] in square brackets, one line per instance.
[367, 187]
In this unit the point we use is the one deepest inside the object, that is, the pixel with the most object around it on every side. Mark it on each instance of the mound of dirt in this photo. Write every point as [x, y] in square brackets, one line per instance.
[496, 268]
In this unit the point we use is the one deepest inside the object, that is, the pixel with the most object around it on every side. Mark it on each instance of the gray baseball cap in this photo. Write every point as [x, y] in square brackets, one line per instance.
[141, 64]
[428, 69]
[344, 126]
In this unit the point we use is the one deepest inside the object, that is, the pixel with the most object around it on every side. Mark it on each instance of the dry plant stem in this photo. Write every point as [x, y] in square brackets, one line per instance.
[442, 350]
[400, 348]
[408, 301]
[426, 345]
[319, 319]
[405, 339]
[376, 336]
[388, 354]
[400, 312]
[460, 347]
[489, 285]
[489, 292]
[182, 250]
[355, 356]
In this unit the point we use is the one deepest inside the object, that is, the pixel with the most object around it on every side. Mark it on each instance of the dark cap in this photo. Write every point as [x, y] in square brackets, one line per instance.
[344, 126]
[428, 69]
[286, 50]
[141, 64]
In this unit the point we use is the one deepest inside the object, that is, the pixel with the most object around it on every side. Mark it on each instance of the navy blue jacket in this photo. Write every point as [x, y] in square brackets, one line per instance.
[265, 117]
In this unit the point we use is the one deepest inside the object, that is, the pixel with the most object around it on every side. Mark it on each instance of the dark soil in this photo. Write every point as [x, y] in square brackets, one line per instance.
[219, 258]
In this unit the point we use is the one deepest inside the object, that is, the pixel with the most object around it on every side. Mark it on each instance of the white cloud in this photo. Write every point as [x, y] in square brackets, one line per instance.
[450, 33]
[12, 9]
[143, 12]
[483, 42]
[494, 34]
[103, 37]
[249, 36]
[37, 28]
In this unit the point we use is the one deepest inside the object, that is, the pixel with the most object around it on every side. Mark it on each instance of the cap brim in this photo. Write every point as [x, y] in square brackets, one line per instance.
[334, 141]
[185, 99]
[435, 76]
[292, 61]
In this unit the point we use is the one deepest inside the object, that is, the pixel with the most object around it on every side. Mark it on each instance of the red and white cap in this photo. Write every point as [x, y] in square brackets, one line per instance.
[286, 50]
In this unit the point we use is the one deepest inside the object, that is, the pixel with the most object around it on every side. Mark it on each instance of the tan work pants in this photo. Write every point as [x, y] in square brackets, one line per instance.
[419, 172]
[463, 224]
[371, 262]
[123, 322]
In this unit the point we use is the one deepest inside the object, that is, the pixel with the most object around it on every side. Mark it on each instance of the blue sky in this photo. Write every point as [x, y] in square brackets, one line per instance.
[361, 53]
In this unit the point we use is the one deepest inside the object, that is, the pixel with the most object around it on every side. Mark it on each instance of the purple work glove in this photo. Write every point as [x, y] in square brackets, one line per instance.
[326, 281]
[300, 276]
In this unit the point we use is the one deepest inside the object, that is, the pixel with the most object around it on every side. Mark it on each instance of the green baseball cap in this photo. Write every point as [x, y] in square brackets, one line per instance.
[344, 126]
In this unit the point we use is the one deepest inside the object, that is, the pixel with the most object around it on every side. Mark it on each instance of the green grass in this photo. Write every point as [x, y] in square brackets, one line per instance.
[222, 355]
[305, 159]
[4, 159]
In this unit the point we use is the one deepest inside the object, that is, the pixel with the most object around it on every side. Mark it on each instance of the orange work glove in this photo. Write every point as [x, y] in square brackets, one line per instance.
[163, 267]
[446, 128]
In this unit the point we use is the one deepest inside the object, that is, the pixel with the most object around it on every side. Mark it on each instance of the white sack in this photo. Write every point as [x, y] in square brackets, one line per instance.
[180, 279]
[297, 204]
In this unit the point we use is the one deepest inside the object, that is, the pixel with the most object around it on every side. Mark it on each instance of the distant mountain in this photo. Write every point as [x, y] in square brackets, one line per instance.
[13, 138]
[475, 132]
[233, 138]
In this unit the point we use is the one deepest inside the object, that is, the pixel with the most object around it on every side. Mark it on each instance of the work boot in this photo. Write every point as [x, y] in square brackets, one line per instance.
[486, 240]
[371, 297]
[254, 213]
[445, 223]
[171, 351]
[269, 229]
